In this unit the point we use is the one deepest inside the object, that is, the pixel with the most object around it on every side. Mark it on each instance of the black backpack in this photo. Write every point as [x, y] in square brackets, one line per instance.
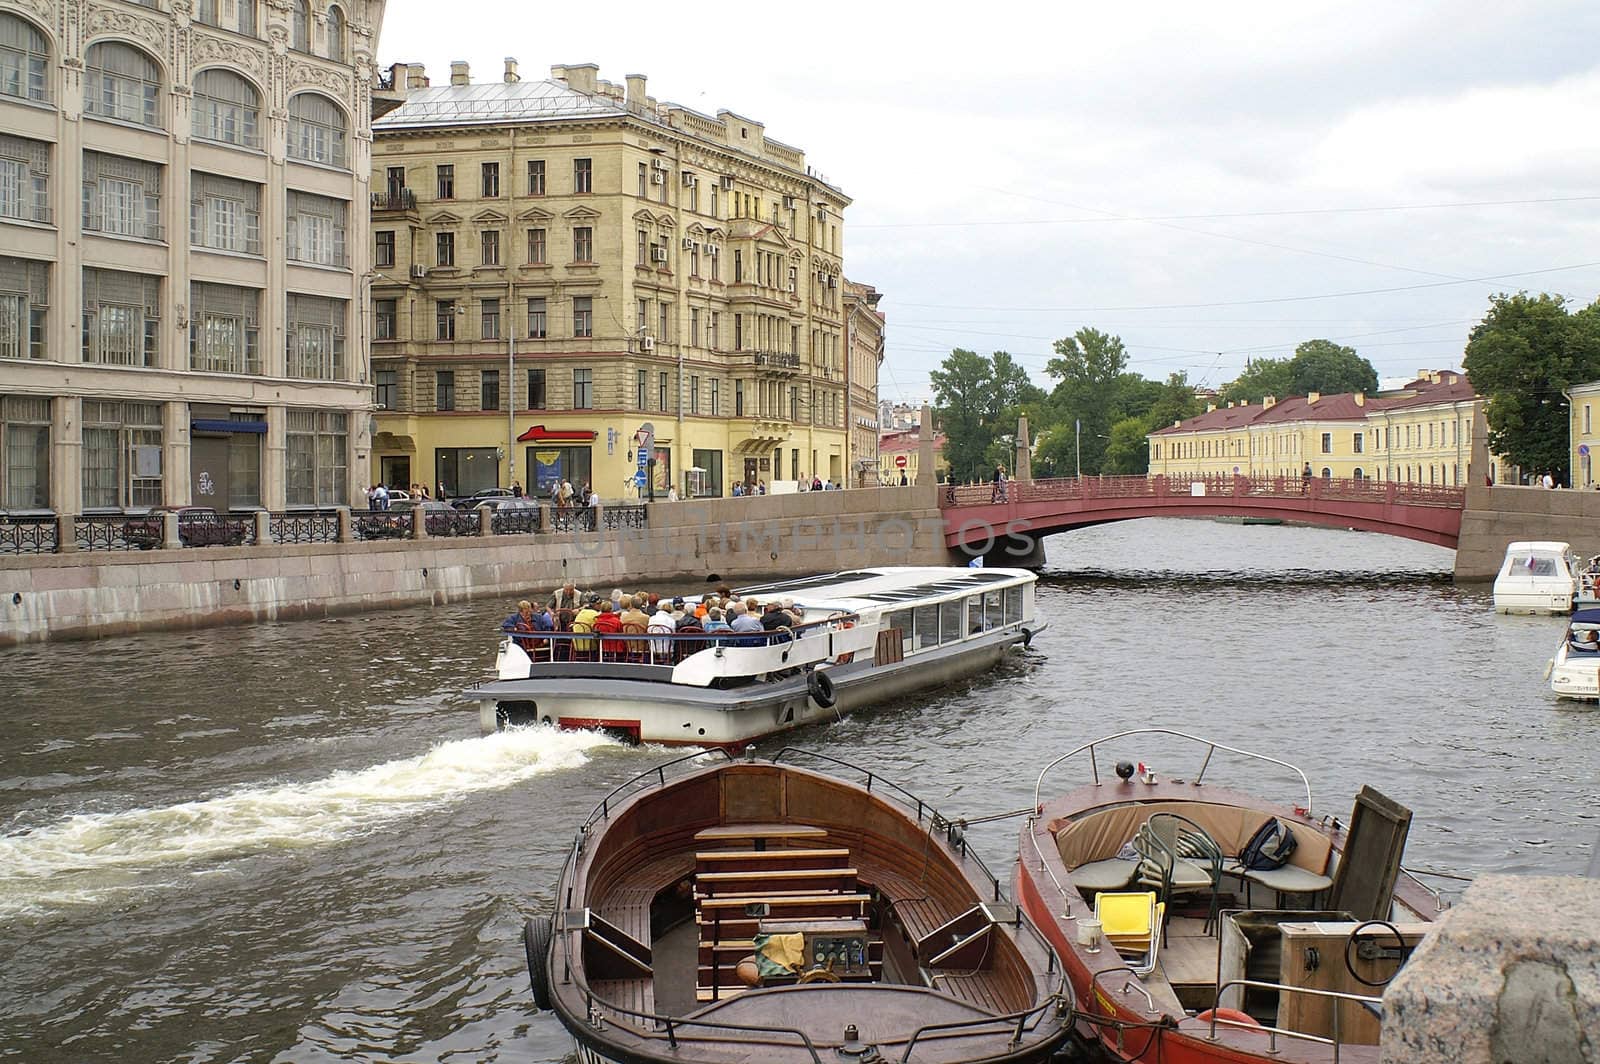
[1270, 847]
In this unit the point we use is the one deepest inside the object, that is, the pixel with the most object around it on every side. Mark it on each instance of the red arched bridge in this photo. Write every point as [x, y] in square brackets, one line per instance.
[978, 516]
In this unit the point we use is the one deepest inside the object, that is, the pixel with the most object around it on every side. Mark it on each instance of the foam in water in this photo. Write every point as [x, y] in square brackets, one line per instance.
[75, 860]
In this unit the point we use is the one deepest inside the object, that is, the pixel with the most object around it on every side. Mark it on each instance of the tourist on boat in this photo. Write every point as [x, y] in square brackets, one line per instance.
[584, 622]
[609, 623]
[744, 620]
[714, 621]
[661, 623]
[633, 615]
[566, 597]
[1589, 640]
[521, 621]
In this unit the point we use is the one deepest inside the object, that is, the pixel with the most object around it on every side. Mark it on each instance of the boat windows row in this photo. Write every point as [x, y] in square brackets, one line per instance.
[925, 627]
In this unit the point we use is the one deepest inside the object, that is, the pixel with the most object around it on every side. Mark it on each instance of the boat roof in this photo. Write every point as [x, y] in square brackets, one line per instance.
[1589, 618]
[888, 586]
[1538, 544]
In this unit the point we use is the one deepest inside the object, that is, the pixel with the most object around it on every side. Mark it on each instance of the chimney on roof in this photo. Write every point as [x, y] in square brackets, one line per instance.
[1175, 424]
[1361, 398]
[416, 76]
[1268, 401]
[512, 77]
[1312, 397]
[1210, 407]
[558, 72]
[635, 92]
[459, 74]
[582, 77]
[1424, 374]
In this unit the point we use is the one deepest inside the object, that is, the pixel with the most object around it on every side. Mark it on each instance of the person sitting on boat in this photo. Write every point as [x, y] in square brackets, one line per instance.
[521, 621]
[566, 597]
[1588, 640]
[584, 622]
[714, 621]
[609, 623]
[774, 620]
[744, 622]
[633, 614]
[661, 623]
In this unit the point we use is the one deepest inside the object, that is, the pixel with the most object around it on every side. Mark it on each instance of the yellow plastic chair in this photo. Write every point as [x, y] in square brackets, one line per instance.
[1131, 922]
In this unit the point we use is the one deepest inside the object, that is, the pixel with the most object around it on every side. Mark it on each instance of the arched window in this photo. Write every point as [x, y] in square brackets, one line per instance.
[241, 19]
[1327, 474]
[123, 83]
[1359, 475]
[336, 34]
[316, 130]
[227, 108]
[300, 36]
[24, 59]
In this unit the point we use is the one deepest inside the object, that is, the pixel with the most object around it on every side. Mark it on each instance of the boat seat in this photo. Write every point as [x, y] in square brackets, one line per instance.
[770, 881]
[758, 835]
[761, 860]
[1289, 880]
[908, 902]
[1113, 873]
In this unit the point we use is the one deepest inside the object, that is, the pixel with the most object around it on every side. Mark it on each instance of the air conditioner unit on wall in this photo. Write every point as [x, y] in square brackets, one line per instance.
[657, 164]
[647, 343]
[688, 243]
[658, 254]
[788, 203]
[419, 272]
[726, 180]
[688, 179]
[658, 178]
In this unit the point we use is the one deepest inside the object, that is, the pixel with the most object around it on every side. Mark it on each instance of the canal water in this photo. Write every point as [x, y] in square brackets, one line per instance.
[289, 843]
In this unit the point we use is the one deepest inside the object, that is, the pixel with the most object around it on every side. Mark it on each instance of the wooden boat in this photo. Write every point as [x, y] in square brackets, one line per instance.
[902, 944]
[1276, 964]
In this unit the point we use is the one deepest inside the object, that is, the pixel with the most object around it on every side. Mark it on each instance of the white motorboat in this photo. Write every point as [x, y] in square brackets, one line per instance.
[1588, 584]
[1575, 670]
[867, 636]
[1536, 577]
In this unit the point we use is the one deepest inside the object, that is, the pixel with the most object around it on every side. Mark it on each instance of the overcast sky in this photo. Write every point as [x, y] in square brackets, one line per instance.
[1182, 175]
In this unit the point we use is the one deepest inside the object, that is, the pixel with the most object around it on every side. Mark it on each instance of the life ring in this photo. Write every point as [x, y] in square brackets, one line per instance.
[536, 938]
[820, 686]
[1228, 1014]
[849, 656]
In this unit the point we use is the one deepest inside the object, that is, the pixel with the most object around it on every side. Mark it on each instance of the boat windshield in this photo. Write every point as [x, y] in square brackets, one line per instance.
[1533, 565]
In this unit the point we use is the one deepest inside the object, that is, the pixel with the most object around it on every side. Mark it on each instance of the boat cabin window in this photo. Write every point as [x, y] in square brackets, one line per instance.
[974, 614]
[991, 610]
[1013, 604]
[950, 620]
[927, 624]
[901, 619]
[1530, 565]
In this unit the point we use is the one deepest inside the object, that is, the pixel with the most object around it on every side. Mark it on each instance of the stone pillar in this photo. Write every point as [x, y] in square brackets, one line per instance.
[66, 452]
[177, 452]
[1479, 463]
[66, 533]
[346, 532]
[274, 451]
[1024, 469]
[927, 457]
[485, 519]
[1509, 974]
[419, 523]
[169, 532]
[263, 527]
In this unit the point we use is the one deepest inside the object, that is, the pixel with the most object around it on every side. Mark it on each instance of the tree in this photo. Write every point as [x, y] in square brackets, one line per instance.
[1521, 357]
[1177, 402]
[1089, 369]
[1127, 451]
[1330, 368]
[962, 393]
[1262, 377]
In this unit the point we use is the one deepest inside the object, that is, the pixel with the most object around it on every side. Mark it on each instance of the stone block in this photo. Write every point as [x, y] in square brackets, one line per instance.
[1511, 974]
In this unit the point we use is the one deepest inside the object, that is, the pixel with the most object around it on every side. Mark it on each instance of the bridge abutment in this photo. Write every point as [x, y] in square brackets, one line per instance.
[1506, 513]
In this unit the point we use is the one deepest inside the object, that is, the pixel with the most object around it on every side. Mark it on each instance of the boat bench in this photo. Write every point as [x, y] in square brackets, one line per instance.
[774, 860]
[775, 881]
[628, 908]
[758, 835]
[908, 902]
[638, 995]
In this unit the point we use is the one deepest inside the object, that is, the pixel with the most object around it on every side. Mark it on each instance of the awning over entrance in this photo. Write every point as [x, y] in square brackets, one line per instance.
[212, 424]
[540, 434]
[389, 441]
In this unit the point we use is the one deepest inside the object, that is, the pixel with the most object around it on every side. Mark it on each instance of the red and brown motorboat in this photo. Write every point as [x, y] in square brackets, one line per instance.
[738, 911]
[1202, 925]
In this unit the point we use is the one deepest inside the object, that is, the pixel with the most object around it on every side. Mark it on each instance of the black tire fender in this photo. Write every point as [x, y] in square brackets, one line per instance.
[820, 686]
[536, 939]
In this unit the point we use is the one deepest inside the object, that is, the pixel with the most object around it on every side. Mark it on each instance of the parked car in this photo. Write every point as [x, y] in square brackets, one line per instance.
[396, 495]
[513, 514]
[470, 502]
[443, 519]
[198, 526]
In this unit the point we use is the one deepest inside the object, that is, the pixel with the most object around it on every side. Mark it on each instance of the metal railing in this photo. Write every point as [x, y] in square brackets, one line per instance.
[653, 646]
[572, 518]
[28, 534]
[1350, 489]
[303, 526]
[105, 532]
[381, 524]
[1272, 1033]
[517, 521]
[625, 516]
[1210, 745]
[400, 199]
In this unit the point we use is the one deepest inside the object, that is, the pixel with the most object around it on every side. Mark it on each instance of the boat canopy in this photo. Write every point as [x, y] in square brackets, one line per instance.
[1586, 618]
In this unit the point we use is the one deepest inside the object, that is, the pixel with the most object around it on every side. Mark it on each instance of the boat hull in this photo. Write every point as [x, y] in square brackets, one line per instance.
[669, 714]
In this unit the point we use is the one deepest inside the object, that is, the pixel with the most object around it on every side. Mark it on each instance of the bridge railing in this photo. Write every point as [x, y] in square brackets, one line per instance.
[1211, 485]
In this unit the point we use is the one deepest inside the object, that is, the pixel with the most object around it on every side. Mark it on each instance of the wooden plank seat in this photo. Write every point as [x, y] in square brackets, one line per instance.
[773, 860]
[758, 835]
[636, 994]
[907, 900]
[775, 881]
[627, 904]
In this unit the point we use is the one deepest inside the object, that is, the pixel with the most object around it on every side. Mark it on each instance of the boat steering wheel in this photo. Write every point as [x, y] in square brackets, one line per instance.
[819, 975]
[1352, 944]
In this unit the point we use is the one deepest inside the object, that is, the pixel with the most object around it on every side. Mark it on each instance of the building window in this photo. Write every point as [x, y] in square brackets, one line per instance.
[582, 175]
[383, 248]
[538, 327]
[122, 83]
[694, 326]
[446, 174]
[1327, 443]
[711, 479]
[491, 180]
[738, 332]
[535, 177]
[661, 391]
[121, 197]
[300, 26]
[490, 319]
[583, 244]
[738, 398]
[444, 249]
[711, 330]
[315, 328]
[716, 399]
[24, 453]
[536, 247]
[226, 109]
[1588, 424]
[694, 260]
[383, 319]
[583, 389]
[444, 319]
[694, 394]
[714, 256]
[1356, 442]
[444, 389]
[316, 130]
[489, 246]
[224, 328]
[641, 388]
[644, 179]
[24, 307]
[316, 459]
[121, 318]
[583, 316]
[489, 390]
[224, 214]
[315, 232]
[24, 60]
[642, 248]
[738, 266]
[24, 175]
[121, 455]
[536, 392]
[335, 35]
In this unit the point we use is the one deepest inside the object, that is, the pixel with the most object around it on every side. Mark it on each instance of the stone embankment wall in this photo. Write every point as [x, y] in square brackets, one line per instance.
[89, 594]
[1504, 514]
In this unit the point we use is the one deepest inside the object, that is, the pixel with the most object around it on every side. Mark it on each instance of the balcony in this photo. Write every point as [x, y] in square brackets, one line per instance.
[394, 201]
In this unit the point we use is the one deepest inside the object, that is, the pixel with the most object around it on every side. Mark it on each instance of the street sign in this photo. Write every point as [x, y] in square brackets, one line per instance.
[900, 461]
[1583, 449]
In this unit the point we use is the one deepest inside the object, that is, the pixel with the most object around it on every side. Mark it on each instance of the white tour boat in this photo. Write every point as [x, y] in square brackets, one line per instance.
[1575, 670]
[865, 636]
[1536, 577]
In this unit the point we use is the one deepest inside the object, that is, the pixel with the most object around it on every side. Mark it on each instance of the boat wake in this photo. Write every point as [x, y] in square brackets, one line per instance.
[82, 858]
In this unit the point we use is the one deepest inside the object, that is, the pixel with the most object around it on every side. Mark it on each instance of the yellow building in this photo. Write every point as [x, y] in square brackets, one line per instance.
[566, 265]
[183, 210]
[1585, 400]
[864, 326]
[1420, 434]
[898, 453]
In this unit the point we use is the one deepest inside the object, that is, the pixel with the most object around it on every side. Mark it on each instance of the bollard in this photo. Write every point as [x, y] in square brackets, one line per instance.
[169, 532]
[66, 533]
[485, 519]
[346, 532]
[263, 527]
[419, 523]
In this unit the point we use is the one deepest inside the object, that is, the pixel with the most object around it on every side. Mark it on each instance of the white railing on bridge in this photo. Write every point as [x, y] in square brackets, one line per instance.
[1211, 485]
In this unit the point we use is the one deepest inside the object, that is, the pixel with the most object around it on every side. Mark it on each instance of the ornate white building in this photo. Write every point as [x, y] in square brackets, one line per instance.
[184, 242]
